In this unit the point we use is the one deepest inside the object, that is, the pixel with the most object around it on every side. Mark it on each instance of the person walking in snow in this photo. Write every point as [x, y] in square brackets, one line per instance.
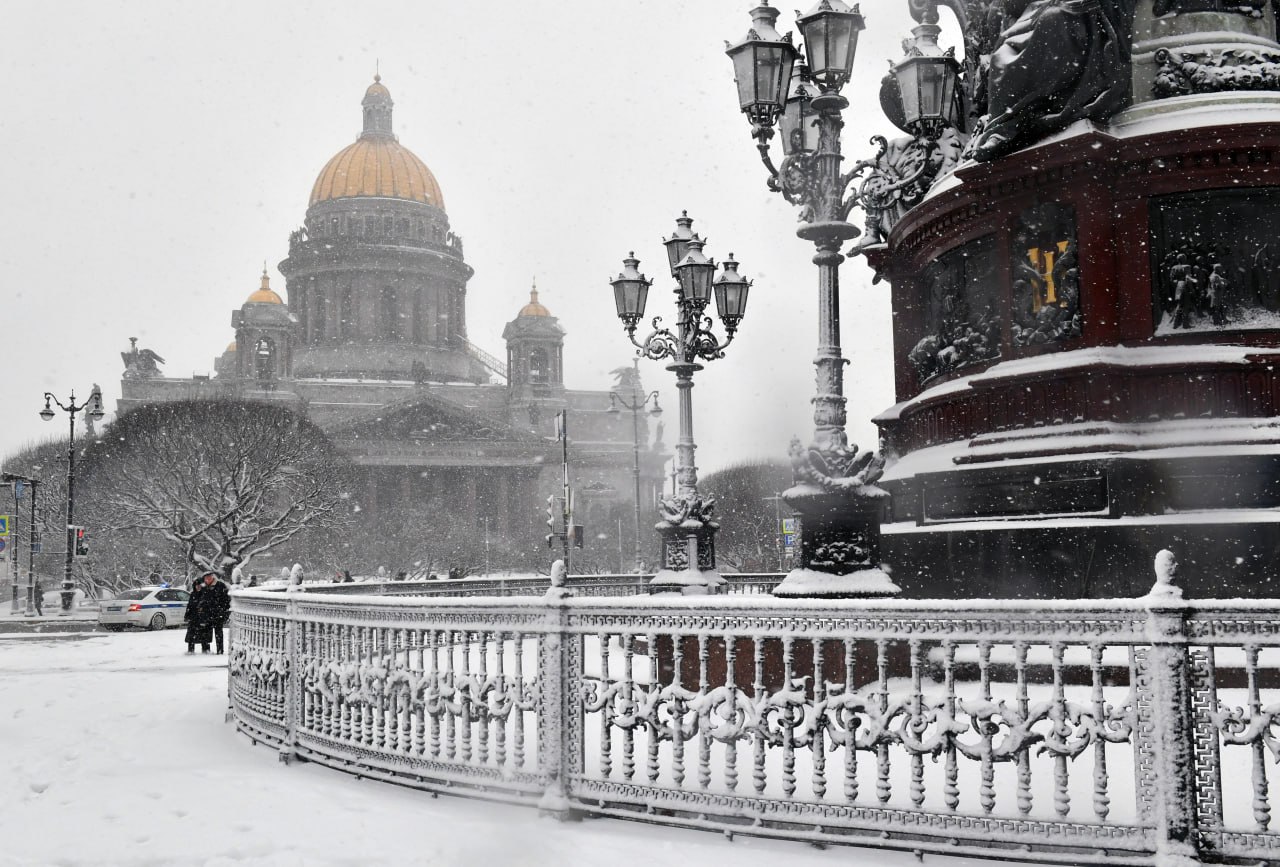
[37, 593]
[211, 611]
[196, 633]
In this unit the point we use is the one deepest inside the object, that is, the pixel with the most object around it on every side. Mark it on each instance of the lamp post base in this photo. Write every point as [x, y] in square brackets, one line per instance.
[688, 548]
[689, 582]
[840, 508]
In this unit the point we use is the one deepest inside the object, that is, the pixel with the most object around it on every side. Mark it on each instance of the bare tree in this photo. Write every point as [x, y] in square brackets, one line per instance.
[223, 480]
[748, 537]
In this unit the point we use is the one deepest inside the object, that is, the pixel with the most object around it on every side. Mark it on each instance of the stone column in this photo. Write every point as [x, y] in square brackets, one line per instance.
[1173, 793]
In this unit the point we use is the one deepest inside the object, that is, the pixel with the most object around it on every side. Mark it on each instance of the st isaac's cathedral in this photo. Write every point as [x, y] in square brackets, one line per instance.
[370, 342]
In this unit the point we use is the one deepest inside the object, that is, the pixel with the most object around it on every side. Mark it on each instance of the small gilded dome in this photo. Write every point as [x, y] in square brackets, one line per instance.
[533, 308]
[377, 165]
[264, 294]
[377, 88]
[231, 347]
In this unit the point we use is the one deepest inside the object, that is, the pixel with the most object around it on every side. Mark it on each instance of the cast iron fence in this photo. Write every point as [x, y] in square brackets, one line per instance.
[1061, 731]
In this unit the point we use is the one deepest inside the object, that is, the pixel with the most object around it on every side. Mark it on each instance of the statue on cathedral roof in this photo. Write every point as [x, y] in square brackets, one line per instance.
[140, 363]
[626, 378]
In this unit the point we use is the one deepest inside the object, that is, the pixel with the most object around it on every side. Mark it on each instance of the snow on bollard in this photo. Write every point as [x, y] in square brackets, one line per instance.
[1167, 586]
[558, 590]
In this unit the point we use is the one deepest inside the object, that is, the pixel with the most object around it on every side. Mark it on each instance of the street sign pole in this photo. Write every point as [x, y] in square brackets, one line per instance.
[790, 535]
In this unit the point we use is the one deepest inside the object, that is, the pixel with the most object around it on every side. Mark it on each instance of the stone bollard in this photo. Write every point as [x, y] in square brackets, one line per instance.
[1171, 788]
[292, 682]
[555, 747]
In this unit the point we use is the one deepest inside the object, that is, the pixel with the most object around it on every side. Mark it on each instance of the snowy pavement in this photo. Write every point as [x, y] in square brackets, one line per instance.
[113, 750]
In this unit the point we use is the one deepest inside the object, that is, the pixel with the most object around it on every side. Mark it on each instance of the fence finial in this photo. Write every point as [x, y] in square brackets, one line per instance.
[1166, 576]
[557, 590]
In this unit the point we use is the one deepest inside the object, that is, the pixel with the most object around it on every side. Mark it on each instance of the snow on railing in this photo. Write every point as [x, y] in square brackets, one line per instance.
[627, 584]
[1077, 731]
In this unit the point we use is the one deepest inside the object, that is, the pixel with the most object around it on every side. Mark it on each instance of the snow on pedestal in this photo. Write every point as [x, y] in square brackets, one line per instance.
[810, 582]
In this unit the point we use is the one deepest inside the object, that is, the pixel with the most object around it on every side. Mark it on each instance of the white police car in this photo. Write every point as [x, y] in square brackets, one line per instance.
[144, 607]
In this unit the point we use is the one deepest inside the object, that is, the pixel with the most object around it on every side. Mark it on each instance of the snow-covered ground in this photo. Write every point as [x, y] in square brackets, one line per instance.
[113, 750]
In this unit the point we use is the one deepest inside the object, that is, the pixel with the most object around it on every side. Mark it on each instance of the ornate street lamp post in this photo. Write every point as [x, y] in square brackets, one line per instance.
[636, 403]
[93, 411]
[835, 490]
[687, 529]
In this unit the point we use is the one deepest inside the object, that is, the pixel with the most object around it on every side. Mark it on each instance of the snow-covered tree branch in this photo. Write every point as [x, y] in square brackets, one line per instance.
[223, 481]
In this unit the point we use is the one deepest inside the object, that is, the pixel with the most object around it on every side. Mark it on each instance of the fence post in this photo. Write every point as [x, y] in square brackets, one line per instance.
[231, 666]
[1173, 786]
[555, 741]
[288, 749]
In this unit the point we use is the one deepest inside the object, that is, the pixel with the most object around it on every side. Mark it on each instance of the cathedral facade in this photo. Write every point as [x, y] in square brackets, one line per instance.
[370, 342]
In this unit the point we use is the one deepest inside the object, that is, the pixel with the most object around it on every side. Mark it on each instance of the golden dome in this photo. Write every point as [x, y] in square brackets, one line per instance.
[264, 293]
[231, 347]
[377, 88]
[376, 164]
[533, 308]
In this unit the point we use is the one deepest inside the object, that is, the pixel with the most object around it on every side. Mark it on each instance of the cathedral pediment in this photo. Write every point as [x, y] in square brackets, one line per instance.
[429, 420]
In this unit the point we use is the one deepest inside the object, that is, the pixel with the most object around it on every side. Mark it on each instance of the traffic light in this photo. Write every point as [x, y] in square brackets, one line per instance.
[575, 535]
[552, 535]
[80, 541]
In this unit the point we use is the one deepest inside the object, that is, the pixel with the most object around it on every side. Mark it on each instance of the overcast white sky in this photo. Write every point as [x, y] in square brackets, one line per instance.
[156, 153]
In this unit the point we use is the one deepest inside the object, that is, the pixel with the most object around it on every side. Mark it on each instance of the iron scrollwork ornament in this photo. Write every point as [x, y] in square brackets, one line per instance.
[900, 175]
[800, 183]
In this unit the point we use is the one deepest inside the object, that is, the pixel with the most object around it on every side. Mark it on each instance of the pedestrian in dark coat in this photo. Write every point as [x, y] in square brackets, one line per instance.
[197, 633]
[212, 610]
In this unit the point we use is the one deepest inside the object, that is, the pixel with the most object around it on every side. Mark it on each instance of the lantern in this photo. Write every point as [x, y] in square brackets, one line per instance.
[695, 272]
[731, 295]
[630, 292]
[762, 67]
[830, 32]
[678, 244]
[799, 120]
[927, 84]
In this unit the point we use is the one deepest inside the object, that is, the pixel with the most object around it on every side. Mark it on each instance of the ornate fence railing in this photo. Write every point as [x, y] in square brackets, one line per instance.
[1076, 732]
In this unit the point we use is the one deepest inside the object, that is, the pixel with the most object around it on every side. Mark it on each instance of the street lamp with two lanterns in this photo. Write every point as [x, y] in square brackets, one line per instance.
[92, 408]
[636, 402]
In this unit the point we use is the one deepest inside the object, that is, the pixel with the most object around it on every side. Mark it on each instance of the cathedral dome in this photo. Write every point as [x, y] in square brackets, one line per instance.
[376, 164]
[264, 294]
[534, 307]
